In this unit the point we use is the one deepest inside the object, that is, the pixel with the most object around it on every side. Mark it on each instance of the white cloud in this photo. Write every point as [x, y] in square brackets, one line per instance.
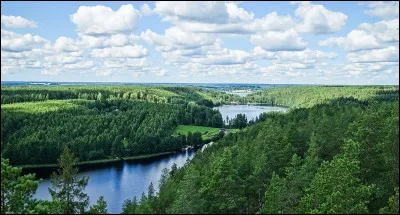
[237, 14]
[223, 57]
[237, 21]
[211, 12]
[300, 2]
[100, 20]
[356, 40]
[381, 9]
[319, 20]
[14, 42]
[79, 65]
[146, 10]
[279, 41]
[162, 72]
[64, 44]
[62, 59]
[386, 31]
[260, 53]
[272, 22]
[175, 38]
[388, 54]
[307, 56]
[136, 51]
[49, 72]
[372, 70]
[125, 63]
[117, 40]
[17, 22]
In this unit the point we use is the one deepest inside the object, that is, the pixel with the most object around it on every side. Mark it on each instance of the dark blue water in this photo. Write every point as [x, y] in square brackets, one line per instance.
[120, 181]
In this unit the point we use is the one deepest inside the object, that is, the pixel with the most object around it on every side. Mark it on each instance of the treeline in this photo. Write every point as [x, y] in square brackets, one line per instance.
[156, 94]
[36, 132]
[308, 96]
[338, 157]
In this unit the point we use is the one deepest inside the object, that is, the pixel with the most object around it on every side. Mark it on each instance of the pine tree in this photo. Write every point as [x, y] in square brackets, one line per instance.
[100, 207]
[16, 190]
[68, 188]
[336, 187]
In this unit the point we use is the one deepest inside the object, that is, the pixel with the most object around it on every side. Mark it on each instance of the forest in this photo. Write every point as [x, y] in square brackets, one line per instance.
[338, 157]
[157, 94]
[335, 151]
[36, 132]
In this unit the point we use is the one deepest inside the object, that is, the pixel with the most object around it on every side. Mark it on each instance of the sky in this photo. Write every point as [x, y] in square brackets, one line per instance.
[201, 42]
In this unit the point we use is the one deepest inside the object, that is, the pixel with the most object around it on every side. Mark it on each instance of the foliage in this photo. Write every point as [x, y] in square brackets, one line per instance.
[93, 130]
[100, 207]
[393, 204]
[308, 96]
[337, 157]
[68, 188]
[16, 190]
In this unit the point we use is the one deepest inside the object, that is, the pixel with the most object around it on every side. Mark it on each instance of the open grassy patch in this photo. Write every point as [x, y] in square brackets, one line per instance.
[43, 106]
[207, 132]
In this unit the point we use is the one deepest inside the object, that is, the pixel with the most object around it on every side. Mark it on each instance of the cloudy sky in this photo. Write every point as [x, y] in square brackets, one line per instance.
[202, 42]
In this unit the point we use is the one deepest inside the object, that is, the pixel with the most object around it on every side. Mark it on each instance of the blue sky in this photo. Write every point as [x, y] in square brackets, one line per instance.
[209, 42]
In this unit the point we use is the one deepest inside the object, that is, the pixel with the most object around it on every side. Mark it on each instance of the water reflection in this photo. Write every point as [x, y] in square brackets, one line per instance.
[120, 181]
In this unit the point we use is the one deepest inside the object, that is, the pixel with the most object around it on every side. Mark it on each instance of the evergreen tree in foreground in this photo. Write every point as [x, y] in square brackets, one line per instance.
[16, 190]
[68, 188]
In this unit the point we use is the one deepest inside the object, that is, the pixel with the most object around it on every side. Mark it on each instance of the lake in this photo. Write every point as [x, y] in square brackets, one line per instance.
[120, 181]
[251, 111]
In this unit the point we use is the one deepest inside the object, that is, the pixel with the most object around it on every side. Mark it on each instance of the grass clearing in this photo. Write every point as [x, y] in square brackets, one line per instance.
[207, 132]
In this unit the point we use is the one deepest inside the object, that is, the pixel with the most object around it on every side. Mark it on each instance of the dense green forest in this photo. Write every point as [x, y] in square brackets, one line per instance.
[335, 151]
[308, 96]
[339, 157]
[36, 132]
[160, 94]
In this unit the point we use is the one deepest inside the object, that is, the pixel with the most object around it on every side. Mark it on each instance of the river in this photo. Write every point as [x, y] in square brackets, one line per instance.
[117, 182]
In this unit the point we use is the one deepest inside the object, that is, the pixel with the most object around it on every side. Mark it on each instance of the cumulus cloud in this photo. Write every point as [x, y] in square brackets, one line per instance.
[207, 11]
[100, 20]
[79, 65]
[279, 41]
[356, 40]
[382, 9]
[175, 38]
[13, 42]
[61, 59]
[307, 56]
[224, 57]
[117, 40]
[386, 31]
[17, 22]
[125, 63]
[162, 72]
[146, 10]
[64, 44]
[319, 20]
[388, 54]
[136, 51]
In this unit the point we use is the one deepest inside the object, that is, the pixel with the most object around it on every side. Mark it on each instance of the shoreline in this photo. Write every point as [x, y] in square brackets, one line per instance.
[94, 162]
[258, 104]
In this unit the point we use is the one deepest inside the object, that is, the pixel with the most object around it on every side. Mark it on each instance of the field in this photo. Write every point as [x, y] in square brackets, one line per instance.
[207, 132]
